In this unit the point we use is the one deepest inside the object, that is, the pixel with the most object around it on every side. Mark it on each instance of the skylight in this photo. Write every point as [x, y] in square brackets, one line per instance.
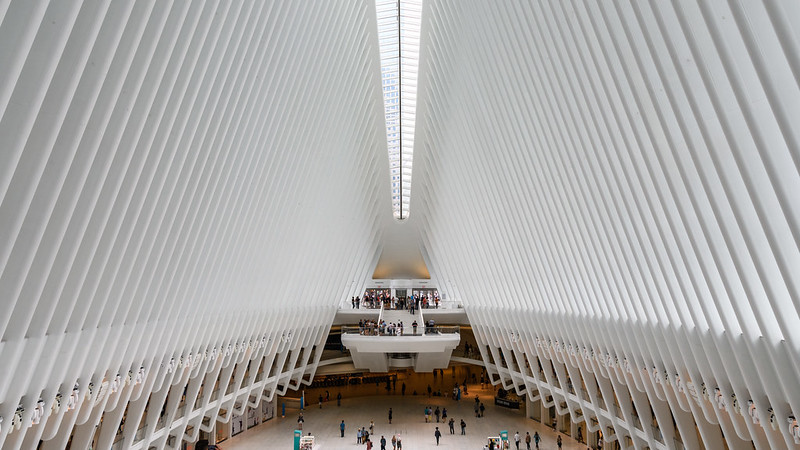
[398, 32]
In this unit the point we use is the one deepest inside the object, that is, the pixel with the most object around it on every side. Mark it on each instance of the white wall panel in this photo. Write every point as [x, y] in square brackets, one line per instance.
[184, 187]
[613, 186]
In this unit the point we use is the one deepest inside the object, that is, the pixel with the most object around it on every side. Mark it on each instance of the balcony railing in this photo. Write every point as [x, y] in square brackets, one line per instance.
[657, 434]
[407, 331]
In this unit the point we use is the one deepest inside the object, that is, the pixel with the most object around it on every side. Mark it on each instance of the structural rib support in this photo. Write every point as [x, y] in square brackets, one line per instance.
[611, 188]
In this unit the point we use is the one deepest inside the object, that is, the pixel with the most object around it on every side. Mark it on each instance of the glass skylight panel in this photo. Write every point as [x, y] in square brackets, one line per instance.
[399, 33]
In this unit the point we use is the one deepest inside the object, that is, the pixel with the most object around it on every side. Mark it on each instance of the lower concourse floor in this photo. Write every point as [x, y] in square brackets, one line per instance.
[362, 403]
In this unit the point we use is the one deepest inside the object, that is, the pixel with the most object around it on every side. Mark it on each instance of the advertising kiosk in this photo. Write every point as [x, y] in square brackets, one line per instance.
[306, 442]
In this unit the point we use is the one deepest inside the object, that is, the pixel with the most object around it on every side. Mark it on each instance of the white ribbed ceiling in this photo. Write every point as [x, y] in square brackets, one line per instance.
[177, 178]
[188, 190]
[615, 185]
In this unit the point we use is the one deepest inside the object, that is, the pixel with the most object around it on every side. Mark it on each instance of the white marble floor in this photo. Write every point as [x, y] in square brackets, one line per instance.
[408, 421]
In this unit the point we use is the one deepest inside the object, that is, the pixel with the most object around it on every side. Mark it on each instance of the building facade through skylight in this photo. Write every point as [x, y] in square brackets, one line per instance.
[399, 32]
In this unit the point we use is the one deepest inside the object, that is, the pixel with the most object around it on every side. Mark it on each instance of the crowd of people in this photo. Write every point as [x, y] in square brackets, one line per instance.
[375, 298]
[365, 434]
[370, 327]
[435, 415]
[367, 437]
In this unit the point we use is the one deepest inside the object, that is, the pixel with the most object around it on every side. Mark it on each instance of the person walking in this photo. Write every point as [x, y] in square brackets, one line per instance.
[437, 413]
[437, 434]
[394, 442]
[339, 399]
[390, 416]
[558, 441]
[536, 438]
[463, 427]
[320, 401]
[444, 414]
[358, 435]
[341, 428]
[516, 439]
[483, 409]
[369, 444]
[300, 421]
[477, 409]
[527, 440]
[383, 443]
[452, 428]
[403, 388]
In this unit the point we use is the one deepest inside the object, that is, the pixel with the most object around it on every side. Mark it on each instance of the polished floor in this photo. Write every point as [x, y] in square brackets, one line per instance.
[363, 403]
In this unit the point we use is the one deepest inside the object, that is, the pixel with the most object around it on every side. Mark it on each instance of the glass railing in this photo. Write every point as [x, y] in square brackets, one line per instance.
[370, 305]
[657, 434]
[473, 353]
[407, 331]
[118, 440]
[449, 329]
[637, 422]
